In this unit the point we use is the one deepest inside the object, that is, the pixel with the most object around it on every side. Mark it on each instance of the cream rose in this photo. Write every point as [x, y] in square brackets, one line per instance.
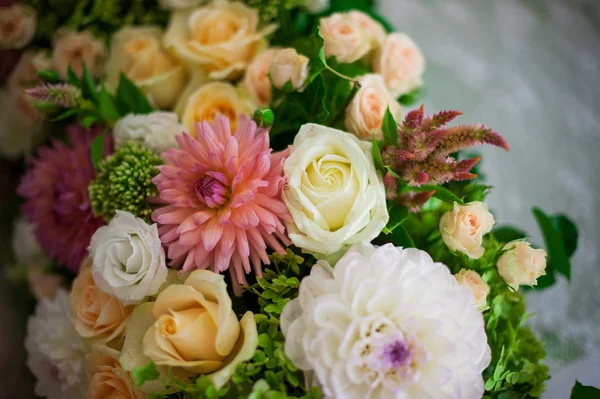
[192, 328]
[334, 193]
[17, 26]
[464, 226]
[256, 80]
[97, 315]
[289, 66]
[76, 49]
[219, 39]
[212, 99]
[473, 281]
[521, 264]
[374, 29]
[107, 377]
[343, 38]
[156, 130]
[129, 260]
[138, 53]
[401, 64]
[364, 114]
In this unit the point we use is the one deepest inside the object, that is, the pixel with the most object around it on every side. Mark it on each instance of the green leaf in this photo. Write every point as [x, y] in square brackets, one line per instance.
[389, 128]
[507, 233]
[146, 373]
[568, 232]
[322, 56]
[411, 97]
[129, 98]
[107, 106]
[401, 238]
[581, 391]
[554, 243]
[65, 115]
[45, 105]
[88, 121]
[475, 192]
[72, 78]
[441, 193]
[88, 85]
[97, 150]
[397, 215]
[376, 151]
[48, 76]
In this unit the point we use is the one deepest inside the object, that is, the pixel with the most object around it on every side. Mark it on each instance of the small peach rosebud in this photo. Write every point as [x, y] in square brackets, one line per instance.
[464, 226]
[289, 66]
[473, 281]
[521, 264]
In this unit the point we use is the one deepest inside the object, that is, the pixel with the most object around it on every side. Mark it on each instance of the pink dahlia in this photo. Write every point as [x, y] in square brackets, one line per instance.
[56, 197]
[223, 192]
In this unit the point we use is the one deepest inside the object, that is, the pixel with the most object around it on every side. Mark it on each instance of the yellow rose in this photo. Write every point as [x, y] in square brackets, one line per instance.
[138, 53]
[17, 26]
[473, 281]
[75, 49]
[107, 377]
[209, 100]
[192, 329]
[256, 80]
[97, 315]
[521, 264]
[464, 226]
[220, 38]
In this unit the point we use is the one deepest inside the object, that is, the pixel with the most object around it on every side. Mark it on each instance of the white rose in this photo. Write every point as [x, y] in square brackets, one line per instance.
[25, 246]
[129, 260]
[401, 64]
[521, 264]
[155, 131]
[288, 65]
[17, 26]
[178, 4]
[364, 115]
[334, 193]
[316, 6]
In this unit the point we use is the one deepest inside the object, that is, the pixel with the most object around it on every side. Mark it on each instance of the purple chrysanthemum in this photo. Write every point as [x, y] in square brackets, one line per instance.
[57, 203]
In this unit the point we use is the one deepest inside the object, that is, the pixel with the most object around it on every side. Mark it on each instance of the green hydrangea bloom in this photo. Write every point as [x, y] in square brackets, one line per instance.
[124, 182]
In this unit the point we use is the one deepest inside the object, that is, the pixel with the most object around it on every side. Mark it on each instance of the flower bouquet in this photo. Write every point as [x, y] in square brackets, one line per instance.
[231, 199]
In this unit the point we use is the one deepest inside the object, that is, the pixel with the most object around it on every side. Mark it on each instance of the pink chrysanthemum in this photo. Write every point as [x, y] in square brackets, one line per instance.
[223, 192]
[56, 197]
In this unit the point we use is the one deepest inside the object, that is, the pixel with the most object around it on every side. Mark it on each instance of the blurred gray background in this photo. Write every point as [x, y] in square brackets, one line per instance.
[531, 70]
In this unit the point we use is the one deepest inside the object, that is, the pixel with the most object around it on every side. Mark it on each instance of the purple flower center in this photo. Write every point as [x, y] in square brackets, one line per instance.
[396, 354]
[211, 191]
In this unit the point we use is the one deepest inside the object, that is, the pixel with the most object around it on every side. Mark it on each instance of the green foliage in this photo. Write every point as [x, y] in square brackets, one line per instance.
[389, 128]
[397, 215]
[145, 373]
[581, 391]
[124, 182]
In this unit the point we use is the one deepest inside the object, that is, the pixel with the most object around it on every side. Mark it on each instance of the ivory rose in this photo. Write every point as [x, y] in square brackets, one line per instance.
[473, 281]
[192, 329]
[401, 64]
[334, 193]
[343, 38]
[128, 258]
[256, 80]
[138, 53]
[521, 264]
[107, 377]
[364, 114]
[219, 39]
[76, 49]
[288, 66]
[17, 26]
[464, 226]
[212, 99]
[97, 315]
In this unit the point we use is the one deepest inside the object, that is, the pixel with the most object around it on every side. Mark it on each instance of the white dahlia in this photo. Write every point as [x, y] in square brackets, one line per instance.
[55, 350]
[387, 323]
[155, 131]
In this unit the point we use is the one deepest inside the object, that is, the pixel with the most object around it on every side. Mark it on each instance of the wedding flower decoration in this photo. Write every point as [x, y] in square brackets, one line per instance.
[128, 258]
[521, 264]
[473, 281]
[55, 190]
[223, 193]
[155, 131]
[166, 331]
[386, 323]
[364, 114]
[98, 316]
[219, 39]
[464, 226]
[107, 377]
[138, 53]
[288, 66]
[334, 194]
[75, 49]
[55, 352]
[401, 64]
[256, 79]
[17, 26]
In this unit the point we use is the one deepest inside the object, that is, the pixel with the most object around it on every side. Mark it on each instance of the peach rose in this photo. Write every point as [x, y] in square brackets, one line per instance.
[473, 281]
[192, 329]
[138, 53]
[373, 28]
[43, 284]
[256, 80]
[344, 38]
[401, 64]
[97, 315]
[219, 39]
[364, 114]
[212, 99]
[107, 377]
[75, 49]
[521, 264]
[17, 26]
[287, 66]
[464, 226]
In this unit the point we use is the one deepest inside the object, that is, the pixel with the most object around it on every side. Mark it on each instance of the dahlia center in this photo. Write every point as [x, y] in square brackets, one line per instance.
[396, 354]
[211, 192]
